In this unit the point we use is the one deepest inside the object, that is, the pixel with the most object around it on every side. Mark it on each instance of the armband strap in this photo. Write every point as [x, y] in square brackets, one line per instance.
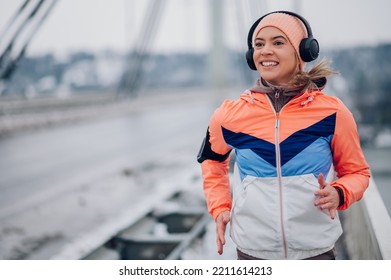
[207, 153]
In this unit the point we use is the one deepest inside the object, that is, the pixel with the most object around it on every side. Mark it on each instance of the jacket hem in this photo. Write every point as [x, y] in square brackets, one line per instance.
[292, 254]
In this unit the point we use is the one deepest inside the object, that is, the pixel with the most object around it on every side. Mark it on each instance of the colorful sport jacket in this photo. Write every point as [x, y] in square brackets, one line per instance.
[278, 159]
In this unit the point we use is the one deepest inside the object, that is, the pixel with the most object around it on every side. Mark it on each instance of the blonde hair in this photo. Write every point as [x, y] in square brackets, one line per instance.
[307, 79]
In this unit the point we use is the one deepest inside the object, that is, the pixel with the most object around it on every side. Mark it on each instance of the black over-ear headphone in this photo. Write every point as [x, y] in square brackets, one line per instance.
[309, 47]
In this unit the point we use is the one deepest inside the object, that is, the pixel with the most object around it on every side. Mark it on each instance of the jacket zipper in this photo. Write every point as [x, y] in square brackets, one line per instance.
[279, 173]
[279, 177]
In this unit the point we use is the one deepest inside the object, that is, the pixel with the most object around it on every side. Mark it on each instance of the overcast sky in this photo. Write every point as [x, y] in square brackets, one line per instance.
[185, 24]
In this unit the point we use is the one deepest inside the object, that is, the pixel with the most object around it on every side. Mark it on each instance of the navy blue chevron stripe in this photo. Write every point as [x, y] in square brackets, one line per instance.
[301, 139]
[290, 147]
[262, 148]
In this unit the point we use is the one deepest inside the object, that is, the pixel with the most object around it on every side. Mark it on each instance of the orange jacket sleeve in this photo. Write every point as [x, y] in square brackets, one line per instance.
[349, 161]
[215, 173]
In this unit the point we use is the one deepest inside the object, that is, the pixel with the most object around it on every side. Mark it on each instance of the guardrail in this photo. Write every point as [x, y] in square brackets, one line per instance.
[164, 228]
[367, 227]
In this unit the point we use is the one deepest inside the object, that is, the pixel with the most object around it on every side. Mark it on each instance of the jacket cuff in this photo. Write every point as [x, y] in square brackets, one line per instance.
[215, 213]
[341, 196]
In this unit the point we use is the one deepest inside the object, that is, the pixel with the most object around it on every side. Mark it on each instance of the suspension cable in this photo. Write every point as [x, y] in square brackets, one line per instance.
[133, 74]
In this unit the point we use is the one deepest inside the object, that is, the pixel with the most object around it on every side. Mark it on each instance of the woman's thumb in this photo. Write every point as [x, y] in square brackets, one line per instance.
[321, 181]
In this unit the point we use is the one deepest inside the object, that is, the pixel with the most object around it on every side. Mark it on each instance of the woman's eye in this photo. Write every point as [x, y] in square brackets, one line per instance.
[258, 45]
[278, 43]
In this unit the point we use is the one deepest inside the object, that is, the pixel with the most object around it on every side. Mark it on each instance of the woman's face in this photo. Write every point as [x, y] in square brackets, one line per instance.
[274, 56]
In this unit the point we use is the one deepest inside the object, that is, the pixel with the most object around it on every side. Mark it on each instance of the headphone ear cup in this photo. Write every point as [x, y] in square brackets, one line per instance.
[250, 59]
[309, 49]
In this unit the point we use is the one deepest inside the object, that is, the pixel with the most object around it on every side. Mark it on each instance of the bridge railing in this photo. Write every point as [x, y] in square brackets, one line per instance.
[367, 227]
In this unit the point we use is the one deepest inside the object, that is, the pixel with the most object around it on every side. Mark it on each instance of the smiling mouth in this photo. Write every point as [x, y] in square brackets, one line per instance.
[269, 63]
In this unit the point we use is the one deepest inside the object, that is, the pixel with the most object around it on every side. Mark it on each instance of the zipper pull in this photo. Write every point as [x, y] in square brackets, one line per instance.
[308, 100]
[277, 120]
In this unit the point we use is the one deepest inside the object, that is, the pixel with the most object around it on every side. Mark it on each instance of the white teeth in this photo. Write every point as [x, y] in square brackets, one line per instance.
[269, 63]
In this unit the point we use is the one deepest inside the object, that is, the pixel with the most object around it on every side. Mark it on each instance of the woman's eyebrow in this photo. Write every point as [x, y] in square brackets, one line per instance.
[279, 37]
[273, 38]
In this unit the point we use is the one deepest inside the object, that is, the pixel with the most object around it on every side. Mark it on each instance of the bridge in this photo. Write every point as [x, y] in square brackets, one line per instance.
[134, 202]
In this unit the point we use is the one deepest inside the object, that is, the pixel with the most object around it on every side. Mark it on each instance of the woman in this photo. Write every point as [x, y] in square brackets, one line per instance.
[298, 155]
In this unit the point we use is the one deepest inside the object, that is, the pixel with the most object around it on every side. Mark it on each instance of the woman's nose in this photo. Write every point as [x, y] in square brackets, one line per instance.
[266, 49]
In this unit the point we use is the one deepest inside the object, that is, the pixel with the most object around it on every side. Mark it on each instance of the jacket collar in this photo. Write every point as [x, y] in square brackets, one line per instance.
[263, 86]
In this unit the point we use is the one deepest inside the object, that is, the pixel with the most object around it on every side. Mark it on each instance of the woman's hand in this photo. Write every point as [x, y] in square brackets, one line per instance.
[221, 224]
[328, 197]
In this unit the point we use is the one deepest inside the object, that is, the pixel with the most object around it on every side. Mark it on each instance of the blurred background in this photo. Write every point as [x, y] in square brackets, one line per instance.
[104, 104]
